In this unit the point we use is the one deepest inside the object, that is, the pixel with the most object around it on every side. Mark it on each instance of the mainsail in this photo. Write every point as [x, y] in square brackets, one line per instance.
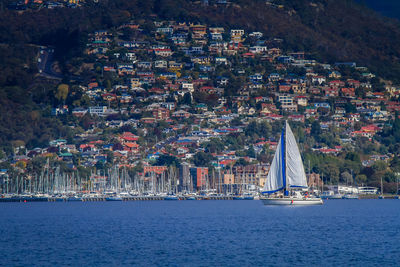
[295, 173]
[287, 168]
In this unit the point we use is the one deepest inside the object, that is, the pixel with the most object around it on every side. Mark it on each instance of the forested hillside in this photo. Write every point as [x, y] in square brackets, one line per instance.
[332, 30]
[327, 30]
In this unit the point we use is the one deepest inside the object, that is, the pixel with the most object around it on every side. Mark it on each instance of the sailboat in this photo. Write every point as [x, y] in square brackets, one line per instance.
[286, 174]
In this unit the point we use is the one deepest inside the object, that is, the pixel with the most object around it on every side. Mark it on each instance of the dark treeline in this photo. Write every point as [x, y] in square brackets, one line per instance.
[330, 30]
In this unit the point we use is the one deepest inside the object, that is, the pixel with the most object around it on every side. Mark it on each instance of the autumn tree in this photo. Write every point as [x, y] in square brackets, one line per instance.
[62, 92]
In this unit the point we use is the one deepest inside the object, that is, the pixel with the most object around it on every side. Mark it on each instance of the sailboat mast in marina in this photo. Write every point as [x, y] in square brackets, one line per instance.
[286, 174]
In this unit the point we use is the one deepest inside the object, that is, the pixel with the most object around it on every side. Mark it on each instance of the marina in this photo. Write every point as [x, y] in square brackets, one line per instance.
[166, 198]
[125, 198]
[115, 184]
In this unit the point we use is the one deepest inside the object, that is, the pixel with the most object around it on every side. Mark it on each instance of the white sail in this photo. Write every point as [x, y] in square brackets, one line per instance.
[287, 171]
[275, 177]
[296, 176]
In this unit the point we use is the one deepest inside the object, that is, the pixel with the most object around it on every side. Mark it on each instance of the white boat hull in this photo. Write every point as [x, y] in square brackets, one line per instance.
[336, 196]
[351, 196]
[292, 201]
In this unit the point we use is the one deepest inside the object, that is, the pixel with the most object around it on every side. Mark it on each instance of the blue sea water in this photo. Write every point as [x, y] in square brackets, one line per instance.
[200, 233]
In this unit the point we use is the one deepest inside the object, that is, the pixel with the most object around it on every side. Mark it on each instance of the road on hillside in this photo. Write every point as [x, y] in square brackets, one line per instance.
[45, 62]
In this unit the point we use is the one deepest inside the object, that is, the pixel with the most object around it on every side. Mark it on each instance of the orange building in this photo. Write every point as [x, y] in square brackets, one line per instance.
[199, 176]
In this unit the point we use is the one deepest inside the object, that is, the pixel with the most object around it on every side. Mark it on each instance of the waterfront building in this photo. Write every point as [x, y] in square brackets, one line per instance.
[367, 190]
[199, 177]
[251, 174]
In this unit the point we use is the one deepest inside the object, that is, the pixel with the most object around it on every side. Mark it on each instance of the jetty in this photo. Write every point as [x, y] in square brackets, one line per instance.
[125, 198]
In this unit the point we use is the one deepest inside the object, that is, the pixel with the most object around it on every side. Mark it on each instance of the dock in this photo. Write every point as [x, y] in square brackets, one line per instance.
[148, 198]
[130, 198]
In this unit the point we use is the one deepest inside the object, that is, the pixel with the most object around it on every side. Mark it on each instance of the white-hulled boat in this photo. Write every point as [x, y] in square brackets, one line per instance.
[286, 174]
[351, 196]
[336, 196]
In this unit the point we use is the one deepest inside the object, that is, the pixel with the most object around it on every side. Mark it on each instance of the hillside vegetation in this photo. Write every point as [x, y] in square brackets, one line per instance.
[328, 30]
[339, 30]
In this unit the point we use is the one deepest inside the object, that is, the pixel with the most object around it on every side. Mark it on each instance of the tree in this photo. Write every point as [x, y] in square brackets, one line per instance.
[389, 177]
[166, 160]
[62, 92]
[361, 178]
[346, 177]
[202, 159]
[350, 108]
[241, 162]
[187, 99]
[353, 156]
[315, 129]
[396, 128]
[379, 166]
[332, 172]
[236, 122]
[250, 152]
[215, 145]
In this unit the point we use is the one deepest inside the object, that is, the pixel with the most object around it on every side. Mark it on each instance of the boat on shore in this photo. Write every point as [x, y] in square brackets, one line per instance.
[286, 177]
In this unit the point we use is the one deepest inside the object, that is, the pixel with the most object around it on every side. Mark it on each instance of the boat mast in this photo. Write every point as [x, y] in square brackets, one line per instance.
[309, 177]
[285, 184]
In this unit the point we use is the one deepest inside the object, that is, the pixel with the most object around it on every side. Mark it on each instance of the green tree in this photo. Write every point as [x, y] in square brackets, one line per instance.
[361, 178]
[167, 160]
[396, 128]
[62, 92]
[250, 152]
[187, 99]
[215, 145]
[379, 166]
[202, 159]
[241, 162]
[315, 129]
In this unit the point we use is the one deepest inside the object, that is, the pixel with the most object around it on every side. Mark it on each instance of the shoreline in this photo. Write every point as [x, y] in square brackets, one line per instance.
[156, 198]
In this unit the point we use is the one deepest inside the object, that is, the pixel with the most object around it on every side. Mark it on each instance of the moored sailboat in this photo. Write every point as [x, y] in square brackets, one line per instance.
[287, 174]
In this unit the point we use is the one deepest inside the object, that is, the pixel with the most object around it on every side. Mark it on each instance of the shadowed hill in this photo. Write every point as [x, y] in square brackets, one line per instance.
[331, 30]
